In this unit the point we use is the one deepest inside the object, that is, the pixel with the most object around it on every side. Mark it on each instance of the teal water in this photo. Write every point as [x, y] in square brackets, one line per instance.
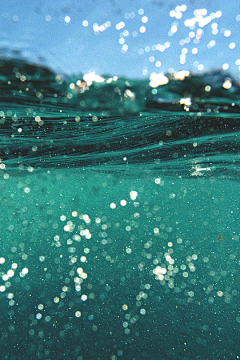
[119, 218]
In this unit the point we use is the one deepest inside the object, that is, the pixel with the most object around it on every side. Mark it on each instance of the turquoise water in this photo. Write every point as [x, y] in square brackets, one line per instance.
[119, 218]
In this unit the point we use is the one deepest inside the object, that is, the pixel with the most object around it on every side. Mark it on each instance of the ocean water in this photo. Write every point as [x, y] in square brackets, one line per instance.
[119, 216]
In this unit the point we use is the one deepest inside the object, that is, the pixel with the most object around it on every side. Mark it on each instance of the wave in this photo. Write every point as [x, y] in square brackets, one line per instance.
[187, 127]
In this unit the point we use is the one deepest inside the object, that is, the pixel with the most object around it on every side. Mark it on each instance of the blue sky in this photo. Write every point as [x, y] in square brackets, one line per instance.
[123, 37]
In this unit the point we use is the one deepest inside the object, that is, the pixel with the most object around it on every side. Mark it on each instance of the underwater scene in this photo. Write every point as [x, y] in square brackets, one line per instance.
[120, 224]
[119, 209]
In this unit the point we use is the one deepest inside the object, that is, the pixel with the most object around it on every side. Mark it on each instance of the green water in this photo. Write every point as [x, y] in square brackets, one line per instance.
[119, 231]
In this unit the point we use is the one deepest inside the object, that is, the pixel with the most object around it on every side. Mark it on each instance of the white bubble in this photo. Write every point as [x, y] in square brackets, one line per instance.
[227, 33]
[67, 19]
[174, 29]
[225, 66]
[218, 14]
[142, 29]
[232, 45]
[144, 19]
